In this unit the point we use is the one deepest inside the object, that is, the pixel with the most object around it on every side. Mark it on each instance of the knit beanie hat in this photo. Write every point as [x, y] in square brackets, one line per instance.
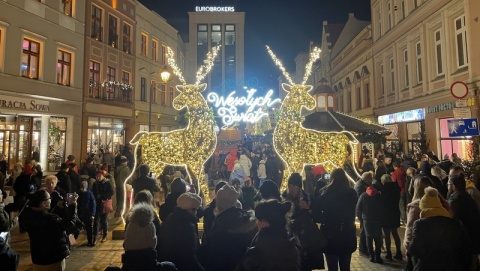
[188, 201]
[430, 204]
[226, 197]
[269, 190]
[295, 179]
[140, 232]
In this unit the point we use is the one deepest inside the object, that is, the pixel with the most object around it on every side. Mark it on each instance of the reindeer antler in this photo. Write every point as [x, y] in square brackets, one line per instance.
[314, 55]
[279, 64]
[173, 64]
[207, 67]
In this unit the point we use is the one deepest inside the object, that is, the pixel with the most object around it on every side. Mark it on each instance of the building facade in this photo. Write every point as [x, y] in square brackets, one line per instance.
[420, 48]
[41, 70]
[108, 97]
[153, 98]
[209, 28]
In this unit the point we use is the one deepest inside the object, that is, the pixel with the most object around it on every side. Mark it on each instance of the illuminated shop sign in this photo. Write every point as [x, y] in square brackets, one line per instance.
[215, 9]
[24, 104]
[227, 107]
[405, 116]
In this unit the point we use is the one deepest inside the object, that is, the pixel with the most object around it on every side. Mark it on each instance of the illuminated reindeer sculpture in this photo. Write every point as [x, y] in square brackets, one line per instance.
[191, 146]
[298, 146]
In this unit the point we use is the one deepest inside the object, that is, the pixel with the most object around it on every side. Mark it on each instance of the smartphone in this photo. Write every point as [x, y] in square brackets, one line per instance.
[326, 176]
[70, 195]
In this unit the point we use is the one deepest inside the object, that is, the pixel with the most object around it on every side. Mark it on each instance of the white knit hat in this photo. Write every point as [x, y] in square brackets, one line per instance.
[226, 197]
[189, 201]
[140, 232]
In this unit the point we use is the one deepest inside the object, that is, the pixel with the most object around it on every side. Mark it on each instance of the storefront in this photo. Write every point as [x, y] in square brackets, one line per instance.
[105, 133]
[408, 130]
[36, 129]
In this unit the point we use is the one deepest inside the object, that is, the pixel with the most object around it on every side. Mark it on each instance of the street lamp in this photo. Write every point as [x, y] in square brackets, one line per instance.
[165, 76]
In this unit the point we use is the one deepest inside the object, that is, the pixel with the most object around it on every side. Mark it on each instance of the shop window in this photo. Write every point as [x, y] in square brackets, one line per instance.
[415, 137]
[462, 146]
[105, 133]
[56, 142]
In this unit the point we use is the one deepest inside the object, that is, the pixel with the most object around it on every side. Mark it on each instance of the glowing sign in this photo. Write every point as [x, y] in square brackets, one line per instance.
[215, 9]
[227, 107]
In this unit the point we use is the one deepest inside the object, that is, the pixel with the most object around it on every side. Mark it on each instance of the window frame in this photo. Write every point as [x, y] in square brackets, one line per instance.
[438, 50]
[418, 62]
[392, 75]
[143, 89]
[462, 31]
[127, 38]
[115, 34]
[111, 74]
[406, 69]
[143, 44]
[61, 64]
[155, 50]
[29, 54]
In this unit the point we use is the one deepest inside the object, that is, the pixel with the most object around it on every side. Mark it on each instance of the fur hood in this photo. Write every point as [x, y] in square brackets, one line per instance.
[141, 214]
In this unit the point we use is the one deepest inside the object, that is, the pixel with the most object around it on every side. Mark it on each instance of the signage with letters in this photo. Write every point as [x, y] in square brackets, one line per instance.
[462, 127]
[24, 104]
[214, 9]
[227, 106]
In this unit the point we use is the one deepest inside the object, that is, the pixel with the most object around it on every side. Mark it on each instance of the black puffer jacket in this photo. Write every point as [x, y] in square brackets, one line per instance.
[391, 197]
[440, 243]
[145, 260]
[178, 240]
[48, 239]
[231, 235]
[272, 250]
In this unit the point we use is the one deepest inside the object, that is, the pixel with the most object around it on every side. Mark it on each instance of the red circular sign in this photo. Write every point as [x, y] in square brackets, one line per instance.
[459, 90]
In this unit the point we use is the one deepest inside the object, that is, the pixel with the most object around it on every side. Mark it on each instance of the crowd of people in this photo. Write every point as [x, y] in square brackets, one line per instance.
[250, 224]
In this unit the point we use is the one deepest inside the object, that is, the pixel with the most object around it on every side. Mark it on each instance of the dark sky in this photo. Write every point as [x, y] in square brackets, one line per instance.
[287, 26]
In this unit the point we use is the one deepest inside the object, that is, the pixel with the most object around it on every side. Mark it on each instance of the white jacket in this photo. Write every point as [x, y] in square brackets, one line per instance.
[261, 171]
[245, 163]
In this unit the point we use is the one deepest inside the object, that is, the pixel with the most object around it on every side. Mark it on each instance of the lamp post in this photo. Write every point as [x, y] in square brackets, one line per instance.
[165, 76]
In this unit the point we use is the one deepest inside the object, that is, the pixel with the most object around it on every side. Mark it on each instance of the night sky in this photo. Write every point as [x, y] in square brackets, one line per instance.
[287, 26]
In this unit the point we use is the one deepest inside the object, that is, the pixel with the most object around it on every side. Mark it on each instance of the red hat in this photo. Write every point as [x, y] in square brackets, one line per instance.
[100, 172]
[104, 167]
[28, 169]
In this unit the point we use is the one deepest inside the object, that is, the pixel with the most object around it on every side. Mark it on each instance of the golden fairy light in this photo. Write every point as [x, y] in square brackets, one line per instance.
[298, 146]
[192, 146]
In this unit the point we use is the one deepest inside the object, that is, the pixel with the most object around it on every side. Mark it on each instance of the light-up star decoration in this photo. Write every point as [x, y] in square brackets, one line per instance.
[298, 146]
[189, 147]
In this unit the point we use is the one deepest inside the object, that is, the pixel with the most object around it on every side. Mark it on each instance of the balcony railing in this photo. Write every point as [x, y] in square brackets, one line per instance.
[97, 31]
[111, 91]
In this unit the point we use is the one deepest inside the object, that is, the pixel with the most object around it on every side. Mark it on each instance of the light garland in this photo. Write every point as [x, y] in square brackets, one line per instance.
[280, 65]
[190, 147]
[298, 146]
[314, 55]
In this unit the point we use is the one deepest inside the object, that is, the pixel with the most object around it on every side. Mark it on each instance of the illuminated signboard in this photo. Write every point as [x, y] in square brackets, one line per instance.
[228, 111]
[215, 9]
[405, 116]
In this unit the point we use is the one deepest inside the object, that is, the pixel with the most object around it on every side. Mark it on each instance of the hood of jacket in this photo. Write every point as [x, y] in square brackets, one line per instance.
[372, 191]
[141, 214]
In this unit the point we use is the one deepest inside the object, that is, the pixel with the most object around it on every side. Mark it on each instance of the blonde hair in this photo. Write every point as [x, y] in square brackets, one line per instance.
[51, 178]
[386, 178]
[419, 185]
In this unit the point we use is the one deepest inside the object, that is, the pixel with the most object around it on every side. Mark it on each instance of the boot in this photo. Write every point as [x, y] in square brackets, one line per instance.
[389, 255]
[378, 259]
[398, 256]
[372, 258]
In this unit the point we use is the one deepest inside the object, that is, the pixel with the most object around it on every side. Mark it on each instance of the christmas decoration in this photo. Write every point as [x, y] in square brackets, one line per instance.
[189, 147]
[298, 146]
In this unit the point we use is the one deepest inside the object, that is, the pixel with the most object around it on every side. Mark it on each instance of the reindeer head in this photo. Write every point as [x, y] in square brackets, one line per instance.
[298, 94]
[190, 95]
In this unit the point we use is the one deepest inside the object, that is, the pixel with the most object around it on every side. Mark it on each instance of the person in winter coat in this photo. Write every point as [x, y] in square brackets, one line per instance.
[141, 240]
[109, 159]
[231, 234]
[74, 178]
[391, 222]
[142, 197]
[208, 213]
[360, 187]
[268, 190]
[64, 181]
[261, 172]
[121, 173]
[24, 186]
[230, 161]
[440, 179]
[335, 209]
[438, 242]
[86, 209]
[179, 236]
[8, 257]
[399, 176]
[380, 170]
[239, 174]
[370, 209]
[47, 232]
[5, 222]
[420, 182]
[272, 248]
[255, 158]
[178, 187]
[246, 163]
[103, 190]
[144, 182]
[248, 195]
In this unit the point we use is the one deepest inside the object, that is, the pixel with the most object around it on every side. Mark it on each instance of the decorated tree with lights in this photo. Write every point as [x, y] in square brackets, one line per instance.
[262, 125]
[298, 146]
[191, 146]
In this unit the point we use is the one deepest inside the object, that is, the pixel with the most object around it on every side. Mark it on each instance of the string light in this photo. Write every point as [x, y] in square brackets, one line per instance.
[192, 146]
[298, 146]
[314, 55]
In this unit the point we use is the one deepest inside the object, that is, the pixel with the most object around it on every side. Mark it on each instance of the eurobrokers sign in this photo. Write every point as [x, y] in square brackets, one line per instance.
[214, 9]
